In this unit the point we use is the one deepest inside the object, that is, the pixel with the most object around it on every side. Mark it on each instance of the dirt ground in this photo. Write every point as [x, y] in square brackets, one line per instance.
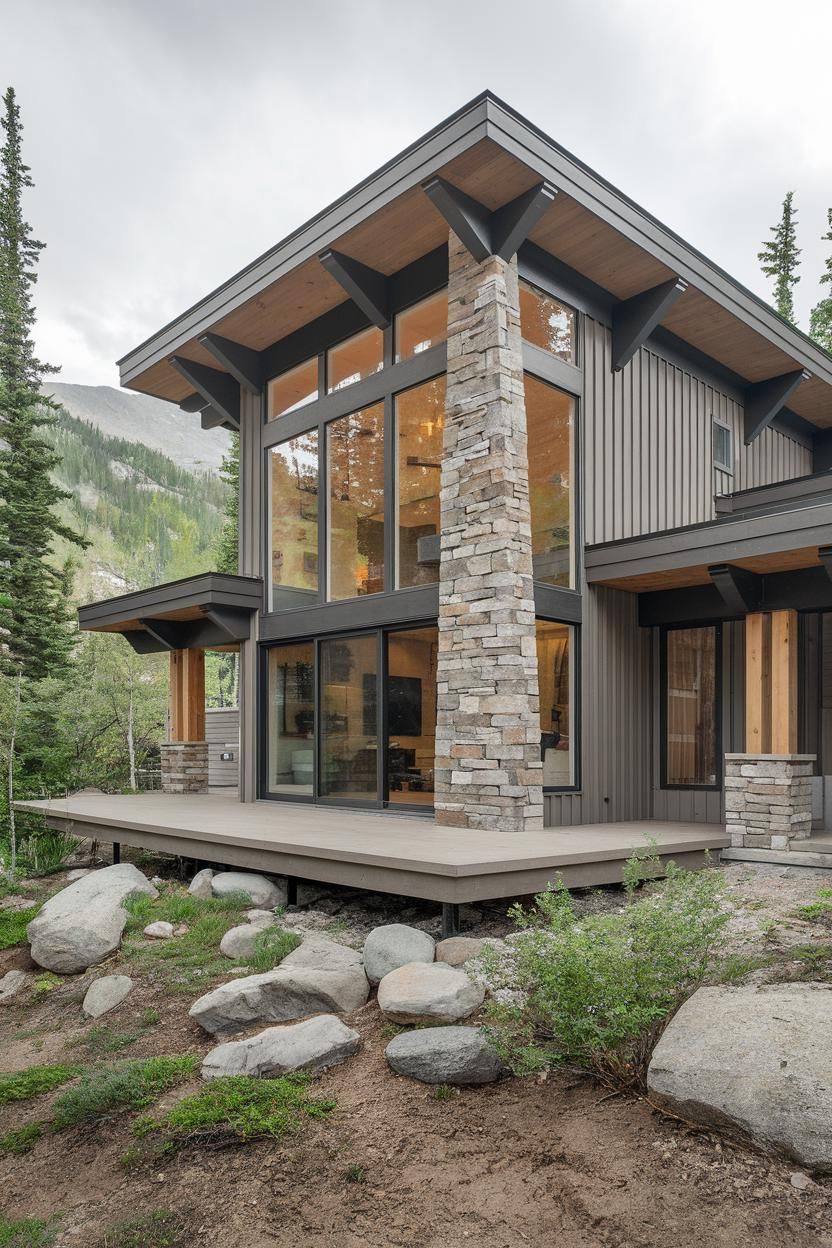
[544, 1162]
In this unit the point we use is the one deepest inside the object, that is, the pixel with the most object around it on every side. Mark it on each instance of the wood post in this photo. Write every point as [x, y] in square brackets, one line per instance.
[756, 685]
[771, 682]
[187, 695]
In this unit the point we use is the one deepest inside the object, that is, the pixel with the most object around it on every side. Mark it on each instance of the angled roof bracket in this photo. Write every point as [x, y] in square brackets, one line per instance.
[740, 589]
[634, 319]
[825, 556]
[367, 288]
[168, 634]
[218, 389]
[764, 399]
[511, 224]
[193, 403]
[244, 364]
[233, 623]
[212, 419]
[483, 232]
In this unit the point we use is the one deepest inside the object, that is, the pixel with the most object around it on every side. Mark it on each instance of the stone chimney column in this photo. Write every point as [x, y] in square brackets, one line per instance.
[488, 767]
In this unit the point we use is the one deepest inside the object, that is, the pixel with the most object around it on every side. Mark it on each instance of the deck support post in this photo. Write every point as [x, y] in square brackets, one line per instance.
[291, 890]
[450, 919]
[185, 753]
[116, 853]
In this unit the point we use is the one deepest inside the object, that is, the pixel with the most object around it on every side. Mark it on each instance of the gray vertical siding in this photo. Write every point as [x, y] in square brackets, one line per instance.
[222, 732]
[648, 445]
[251, 564]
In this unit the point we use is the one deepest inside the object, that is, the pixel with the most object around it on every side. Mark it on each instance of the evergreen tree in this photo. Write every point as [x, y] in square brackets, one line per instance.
[820, 324]
[35, 626]
[780, 259]
[227, 549]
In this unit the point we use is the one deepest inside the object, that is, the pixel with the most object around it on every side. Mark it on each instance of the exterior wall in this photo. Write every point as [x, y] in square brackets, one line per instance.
[251, 564]
[649, 461]
[222, 732]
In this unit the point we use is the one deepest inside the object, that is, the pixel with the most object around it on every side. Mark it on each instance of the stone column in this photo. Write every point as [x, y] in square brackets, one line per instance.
[768, 799]
[488, 767]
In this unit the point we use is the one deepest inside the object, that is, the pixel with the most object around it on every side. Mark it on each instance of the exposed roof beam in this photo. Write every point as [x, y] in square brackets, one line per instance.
[367, 288]
[739, 589]
[142, 642]
[512, 224]
[634, 319]
[193, 403]
[483, 232]
[764, 399]
[212, 419]
[166, 632]
[218, 389]
[244, 364]
[825, 556]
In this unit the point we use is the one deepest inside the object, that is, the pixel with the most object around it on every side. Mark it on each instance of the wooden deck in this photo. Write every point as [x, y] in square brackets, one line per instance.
[403, 854]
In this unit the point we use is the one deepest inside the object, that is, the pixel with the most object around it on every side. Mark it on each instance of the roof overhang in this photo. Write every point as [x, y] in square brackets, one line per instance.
[211, 611]
[493, 156]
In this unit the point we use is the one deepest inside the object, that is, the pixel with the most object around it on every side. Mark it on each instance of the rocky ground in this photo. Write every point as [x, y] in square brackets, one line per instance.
[396, 1162]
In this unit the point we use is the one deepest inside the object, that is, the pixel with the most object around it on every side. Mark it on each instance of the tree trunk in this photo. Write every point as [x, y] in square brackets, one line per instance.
[10, 781]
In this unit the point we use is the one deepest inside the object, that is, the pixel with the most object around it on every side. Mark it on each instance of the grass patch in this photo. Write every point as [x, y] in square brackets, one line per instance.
[355, 1174]
[443, 1092]
[820, 909]
[736, 966]
[238, 1109]
[13, 924]
[270, 949]
[27, 1233]
[46, 982]
[160, 1229]
[110, 1090]
[23, 1140]
[104, 1039]
[37, 1080]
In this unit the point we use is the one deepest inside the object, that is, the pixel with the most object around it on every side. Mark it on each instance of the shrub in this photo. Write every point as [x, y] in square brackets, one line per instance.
[24, 1084]
[27, 1233]
[21, 1141]
[596, 992]
[105, 1091]
[160, 1229]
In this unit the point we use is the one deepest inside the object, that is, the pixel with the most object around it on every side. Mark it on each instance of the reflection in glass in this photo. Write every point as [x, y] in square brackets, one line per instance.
[422, 326]
[420, 419]
[294, 518]
[291, 743]
[358, 357]
[547, 323]
[691, 746]
[550, 420]
[349, 718]
[554, 644]
[355, 449]
[411, 715]
[293, 389]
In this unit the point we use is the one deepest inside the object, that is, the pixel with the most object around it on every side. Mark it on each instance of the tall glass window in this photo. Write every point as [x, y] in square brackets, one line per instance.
[293, 389]
[291, 744]
[420, 420]
[410, 694]
[355, 450]
[294, 517]
[691, 706]
[421, 326]
[356, 358]
[546, 323]
[554, 665]
[348, 765]
[550, 418]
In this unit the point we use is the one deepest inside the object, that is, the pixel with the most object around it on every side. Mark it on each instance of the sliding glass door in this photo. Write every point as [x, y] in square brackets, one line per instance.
[348, 718]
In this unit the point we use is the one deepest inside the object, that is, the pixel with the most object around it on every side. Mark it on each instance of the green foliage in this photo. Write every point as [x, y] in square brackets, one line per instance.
[271, 947]
[239, 1109]
[160, 1229]
[104, 1091]
[103, 1038]
[37, 1080]
[27, 1233]
[227, 547]
[355, 1174]
[820, 909]
[46, 982]
[13, 924]
[780, 259]
[595, 992]
[21, 1141]
[820, 321]
[443, 1092]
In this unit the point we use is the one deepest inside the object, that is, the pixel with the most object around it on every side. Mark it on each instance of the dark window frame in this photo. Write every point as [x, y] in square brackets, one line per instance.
[716, 626]
[576, 672]
[721, 465]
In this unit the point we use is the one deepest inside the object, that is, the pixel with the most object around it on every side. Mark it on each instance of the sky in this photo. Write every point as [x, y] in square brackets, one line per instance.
[173, 141]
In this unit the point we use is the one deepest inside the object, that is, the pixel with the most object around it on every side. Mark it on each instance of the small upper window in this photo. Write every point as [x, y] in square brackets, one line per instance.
[422, 326]
[723, 446]
[293, 389]
[353, 360]
[546, 323]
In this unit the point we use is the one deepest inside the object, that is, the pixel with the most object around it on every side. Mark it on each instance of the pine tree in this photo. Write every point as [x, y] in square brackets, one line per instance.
[820, 324]
[35, 632]
[227, 548]
[780, 259]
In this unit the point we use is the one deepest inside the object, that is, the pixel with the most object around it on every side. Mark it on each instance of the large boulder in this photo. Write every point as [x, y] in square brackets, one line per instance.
[105, 994]
[83, 923]
[315, 1044]
[260, 891]
[458, 1055]
[394, 945]
[457, 950]
[436, 993]
[319, 951]
[756, 1060]
[280, 996]
[200, 885]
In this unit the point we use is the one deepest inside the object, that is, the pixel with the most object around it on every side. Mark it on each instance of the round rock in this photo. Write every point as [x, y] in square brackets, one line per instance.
[106, 993]
[12, 984]
[315, 1044]
[239, 942]
[394, 945]
[160, 930]
[200, 885]
[260, 891]
[457, 950]
[261, 918]
[457, 1055]
[436, 993]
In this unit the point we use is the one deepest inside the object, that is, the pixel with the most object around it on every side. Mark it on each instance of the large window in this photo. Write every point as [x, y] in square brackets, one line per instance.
[550, 418]
[349, 718]
[410, 715]
[554, 666]
[356, 358]
[291, 701]
[691, 717]
[293, 389]
[420, 420]
[546, 323]
[355, 464]
[294, 518]
[422, 326]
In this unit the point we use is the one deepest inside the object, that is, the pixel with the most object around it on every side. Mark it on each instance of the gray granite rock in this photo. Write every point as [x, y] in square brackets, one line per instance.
[394, 945]
[457, 1055]
[160, 930]
[239, 942]
[428, 993]
[315, 1044]
[12, 984]
[457, 950]
[105, 994]
[261, 918]
[263, 893]
[83, 923]
[319, 951]
[200, 885]
[280, 996]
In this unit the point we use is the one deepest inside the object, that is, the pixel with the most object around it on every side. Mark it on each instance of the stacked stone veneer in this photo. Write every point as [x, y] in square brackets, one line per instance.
[768, 799]
[488, 766]
[184, 766]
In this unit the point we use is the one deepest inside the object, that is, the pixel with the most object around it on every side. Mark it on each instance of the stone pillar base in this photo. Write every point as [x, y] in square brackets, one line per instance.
[184, 766]
[768, 799]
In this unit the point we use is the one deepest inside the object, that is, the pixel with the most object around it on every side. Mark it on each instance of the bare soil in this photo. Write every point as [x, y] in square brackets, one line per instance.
[557, 1161]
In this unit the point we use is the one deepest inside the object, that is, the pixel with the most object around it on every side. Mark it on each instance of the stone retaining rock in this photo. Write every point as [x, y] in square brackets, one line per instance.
[83, 923]
[105, 994]
[319, 951]
[434, 993]
[394, 945]
[261, 892]
[457, 1055]
[261, 918]
[757, 1060]
[160, 930]
[200, 885]
[239, 942]
[12, 984]
[457, 950]
[280, 996]
[314, 1044]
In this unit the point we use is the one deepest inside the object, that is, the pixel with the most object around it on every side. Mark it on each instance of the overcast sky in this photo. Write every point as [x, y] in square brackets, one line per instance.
[172, 141]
